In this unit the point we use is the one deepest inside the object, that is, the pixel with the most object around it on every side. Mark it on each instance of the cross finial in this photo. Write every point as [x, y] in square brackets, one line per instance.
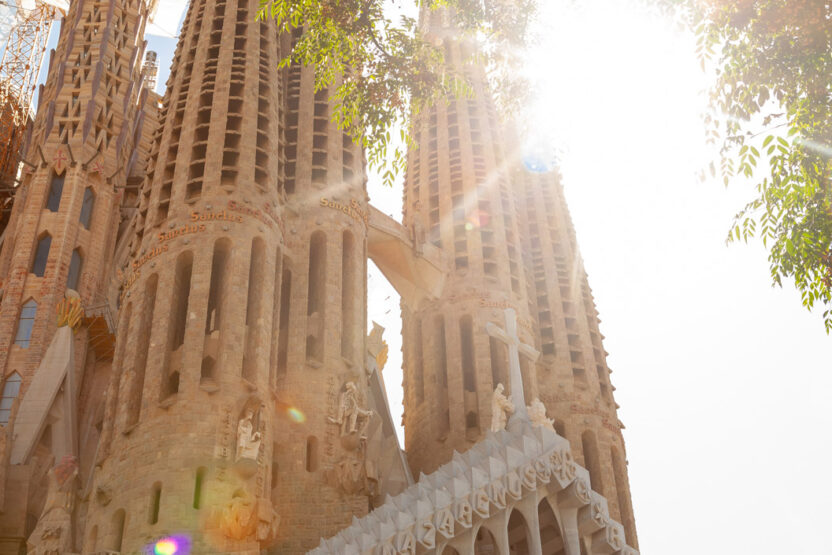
[515, 347]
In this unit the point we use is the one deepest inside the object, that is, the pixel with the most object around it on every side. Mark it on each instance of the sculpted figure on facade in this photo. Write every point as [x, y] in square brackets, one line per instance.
[354, 475]
[537, 414]
[268, 521]
[52, 534]
[351, 416]
[248, 440]
[238, 519]
[377, 346]
[501, 408]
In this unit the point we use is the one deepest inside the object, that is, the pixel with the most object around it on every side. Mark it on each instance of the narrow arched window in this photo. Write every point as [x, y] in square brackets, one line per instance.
[155, 503]
[316, 299]
[283, 324]
[200, 478]
[56, 189]
[117, 535]
[41, 255]
[348, 295]
[466, 335]
[25, 323]
[256, 279]
[10, 391]
[311, 454]
[74, 270]
[86, 208]
[592, 461]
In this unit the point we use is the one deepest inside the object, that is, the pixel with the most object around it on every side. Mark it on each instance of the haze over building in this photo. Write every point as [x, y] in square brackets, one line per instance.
[208, 379]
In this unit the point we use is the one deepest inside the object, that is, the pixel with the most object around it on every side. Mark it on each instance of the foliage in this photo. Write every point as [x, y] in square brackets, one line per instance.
[770, 113]
[382, 70]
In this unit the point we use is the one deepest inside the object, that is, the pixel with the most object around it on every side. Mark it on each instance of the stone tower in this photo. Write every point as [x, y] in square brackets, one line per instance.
[320, 475]
[458, 196]
[243, 301]
[572, 374]
[510, 243]
[60, 242]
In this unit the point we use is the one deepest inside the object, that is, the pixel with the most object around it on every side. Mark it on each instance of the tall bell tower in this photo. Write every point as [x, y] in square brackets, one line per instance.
[510, 244]
[60, 244]
[243, 302]
[458, 193]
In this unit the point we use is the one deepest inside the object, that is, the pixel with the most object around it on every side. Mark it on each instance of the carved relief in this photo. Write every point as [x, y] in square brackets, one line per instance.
[352, 417]
[248, 440]
[537, 414]
[501, 408]
[238, 519]
[268, 521]
[52, 534]
[353, 476]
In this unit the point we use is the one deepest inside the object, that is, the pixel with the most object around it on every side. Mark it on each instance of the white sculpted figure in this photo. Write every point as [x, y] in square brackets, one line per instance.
[537, 414]
[349, 411]
[248, 441]
[501, 408]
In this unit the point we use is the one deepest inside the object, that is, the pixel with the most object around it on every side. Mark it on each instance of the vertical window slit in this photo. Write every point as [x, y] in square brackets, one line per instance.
[348, 296]
[254, 307]
[177, 325]
[283, 330]
[198, 481]
[316, 298]
[134, 398]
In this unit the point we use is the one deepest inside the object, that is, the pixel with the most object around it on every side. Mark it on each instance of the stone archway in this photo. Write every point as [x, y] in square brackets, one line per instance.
[484, 543]
[518, 534]
[551, 538]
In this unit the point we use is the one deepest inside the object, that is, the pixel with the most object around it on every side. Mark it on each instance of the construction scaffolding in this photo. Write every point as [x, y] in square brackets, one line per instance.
[23, 54]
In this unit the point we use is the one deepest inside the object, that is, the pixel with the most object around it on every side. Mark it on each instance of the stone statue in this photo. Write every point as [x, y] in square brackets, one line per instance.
[268, 521]
[501, 408]
[53, 532]
[238, 519]
[349, 412]
[248, 440]
[537, 414]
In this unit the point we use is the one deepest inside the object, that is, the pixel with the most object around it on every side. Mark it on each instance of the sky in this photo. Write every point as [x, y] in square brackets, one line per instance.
[723, 381]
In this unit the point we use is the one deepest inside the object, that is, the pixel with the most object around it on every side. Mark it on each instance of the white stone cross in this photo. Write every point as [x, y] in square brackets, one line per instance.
[515, 347]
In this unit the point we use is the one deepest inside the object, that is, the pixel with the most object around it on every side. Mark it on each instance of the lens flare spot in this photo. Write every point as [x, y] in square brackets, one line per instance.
[478, 218]
[170, 545]
[539, 155]
[167, 546]
[535, 163]
[296, 415]
[469, 226]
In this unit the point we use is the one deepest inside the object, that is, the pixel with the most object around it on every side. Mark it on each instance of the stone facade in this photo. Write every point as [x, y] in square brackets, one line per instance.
[182, 325]
[510, 244]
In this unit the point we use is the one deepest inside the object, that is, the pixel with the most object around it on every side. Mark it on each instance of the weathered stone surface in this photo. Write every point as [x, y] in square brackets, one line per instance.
[219, 382]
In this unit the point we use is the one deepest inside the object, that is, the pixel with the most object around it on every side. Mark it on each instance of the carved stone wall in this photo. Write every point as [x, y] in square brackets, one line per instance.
[459, 197]
[90, 112]
[573, 378]
[517, 491]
